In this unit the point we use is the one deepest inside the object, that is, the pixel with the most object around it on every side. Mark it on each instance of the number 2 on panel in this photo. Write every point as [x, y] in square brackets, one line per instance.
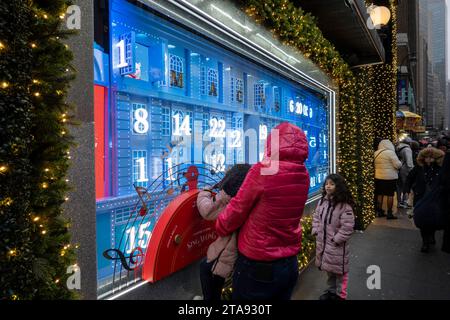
[262, 132]
[218, 162]
[236, 136]
[122, 61]
[142, 176]
[184, 126]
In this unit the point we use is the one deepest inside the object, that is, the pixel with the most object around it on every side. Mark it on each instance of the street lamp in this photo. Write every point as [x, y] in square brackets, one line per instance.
[379, 15]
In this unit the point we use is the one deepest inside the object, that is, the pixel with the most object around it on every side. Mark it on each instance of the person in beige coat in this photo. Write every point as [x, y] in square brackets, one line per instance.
[387, 166]
[223, 252]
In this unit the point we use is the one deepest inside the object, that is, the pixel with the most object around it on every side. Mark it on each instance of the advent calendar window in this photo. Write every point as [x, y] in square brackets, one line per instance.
[176, 99]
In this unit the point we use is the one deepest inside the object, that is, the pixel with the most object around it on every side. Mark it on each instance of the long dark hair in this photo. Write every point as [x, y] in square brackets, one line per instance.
[233, 179]
[341, 194]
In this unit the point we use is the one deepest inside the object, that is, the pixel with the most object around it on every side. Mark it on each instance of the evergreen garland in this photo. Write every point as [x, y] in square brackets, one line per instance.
[35, 73]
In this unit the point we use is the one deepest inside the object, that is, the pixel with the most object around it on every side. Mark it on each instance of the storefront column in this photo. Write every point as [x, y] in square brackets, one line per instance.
[81, 205]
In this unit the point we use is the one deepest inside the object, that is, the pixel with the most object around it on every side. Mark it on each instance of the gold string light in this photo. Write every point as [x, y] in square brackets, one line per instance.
[6, 202]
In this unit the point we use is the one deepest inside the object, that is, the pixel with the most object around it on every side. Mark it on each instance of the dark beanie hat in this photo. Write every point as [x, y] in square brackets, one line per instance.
[234, 178]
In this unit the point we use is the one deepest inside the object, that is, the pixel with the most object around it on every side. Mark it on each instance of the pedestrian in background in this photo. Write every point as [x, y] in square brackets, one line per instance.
[387, 165]
[333, 223]
[445, 200]
[415, 147]
[442, 144]
[405, 156]
[421, 181]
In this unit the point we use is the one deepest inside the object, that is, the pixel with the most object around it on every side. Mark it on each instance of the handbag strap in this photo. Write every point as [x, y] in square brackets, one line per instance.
[379, 154]
[221, 251]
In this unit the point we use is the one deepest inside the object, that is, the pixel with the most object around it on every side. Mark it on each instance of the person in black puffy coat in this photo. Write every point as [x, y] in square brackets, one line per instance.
[445, 200]
[421, 179]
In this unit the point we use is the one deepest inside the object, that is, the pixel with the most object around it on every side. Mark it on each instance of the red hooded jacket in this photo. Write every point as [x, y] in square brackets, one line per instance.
[268, 207]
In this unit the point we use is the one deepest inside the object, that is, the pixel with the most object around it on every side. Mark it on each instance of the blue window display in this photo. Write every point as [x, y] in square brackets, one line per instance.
[169, 89]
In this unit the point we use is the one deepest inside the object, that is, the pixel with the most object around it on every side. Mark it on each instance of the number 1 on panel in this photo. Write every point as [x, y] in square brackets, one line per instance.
[122, 60]
[170, 170]
[142, 175]
[132, 239]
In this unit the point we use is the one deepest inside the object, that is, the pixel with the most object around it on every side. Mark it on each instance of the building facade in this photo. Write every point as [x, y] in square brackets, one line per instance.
[432, 63]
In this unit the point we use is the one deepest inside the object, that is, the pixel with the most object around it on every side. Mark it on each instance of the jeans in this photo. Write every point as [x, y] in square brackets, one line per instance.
[402, 191]
[337, 284]
[258, 280]
[212, 284]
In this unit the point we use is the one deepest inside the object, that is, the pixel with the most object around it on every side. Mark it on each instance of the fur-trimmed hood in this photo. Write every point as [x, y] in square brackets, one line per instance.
[435, 153]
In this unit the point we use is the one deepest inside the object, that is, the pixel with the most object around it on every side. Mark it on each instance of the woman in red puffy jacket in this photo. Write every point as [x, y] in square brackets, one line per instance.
[267, 211]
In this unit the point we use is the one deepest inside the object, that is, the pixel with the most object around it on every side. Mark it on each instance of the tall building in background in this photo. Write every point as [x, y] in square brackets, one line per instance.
[421, 75]
[407, 32]
[432, 63]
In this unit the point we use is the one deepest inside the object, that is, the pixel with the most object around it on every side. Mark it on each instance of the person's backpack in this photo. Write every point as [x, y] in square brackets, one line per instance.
[400, 154]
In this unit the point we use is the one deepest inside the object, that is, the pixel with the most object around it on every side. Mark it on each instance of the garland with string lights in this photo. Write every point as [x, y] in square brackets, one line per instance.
[35, 73]
[385, 85]
[366, 135]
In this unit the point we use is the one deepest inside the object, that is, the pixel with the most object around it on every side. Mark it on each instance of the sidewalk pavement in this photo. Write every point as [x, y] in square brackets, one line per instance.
[406, 273]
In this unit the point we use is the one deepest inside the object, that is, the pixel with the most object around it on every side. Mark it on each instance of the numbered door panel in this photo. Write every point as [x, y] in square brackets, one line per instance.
[133, 127]
[215, 142]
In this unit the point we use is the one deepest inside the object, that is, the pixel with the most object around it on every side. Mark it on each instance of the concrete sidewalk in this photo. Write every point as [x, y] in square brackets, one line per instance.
[406, 273]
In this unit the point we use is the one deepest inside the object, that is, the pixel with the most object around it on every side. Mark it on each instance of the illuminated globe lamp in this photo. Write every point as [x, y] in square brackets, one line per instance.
[379, 15]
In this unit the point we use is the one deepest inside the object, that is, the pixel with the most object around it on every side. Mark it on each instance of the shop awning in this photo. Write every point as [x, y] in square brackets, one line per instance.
[407, 114]
[409, 121]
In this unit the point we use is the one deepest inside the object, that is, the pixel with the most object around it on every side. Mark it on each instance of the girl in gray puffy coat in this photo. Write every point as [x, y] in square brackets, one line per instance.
[333, 223]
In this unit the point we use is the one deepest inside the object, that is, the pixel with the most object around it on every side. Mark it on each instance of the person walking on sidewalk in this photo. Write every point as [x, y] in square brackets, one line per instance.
[267, 211]
[421, 180]
[222, 253]
[445, 200]
[387, 165]
[333, 223]
[405, 156]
